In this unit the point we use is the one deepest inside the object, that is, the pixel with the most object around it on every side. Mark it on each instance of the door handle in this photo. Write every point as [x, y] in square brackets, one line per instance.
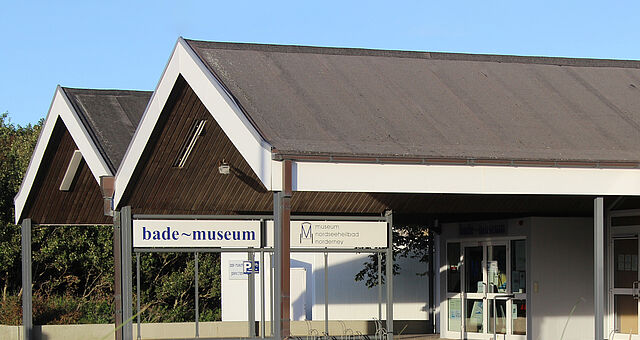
[635, 290]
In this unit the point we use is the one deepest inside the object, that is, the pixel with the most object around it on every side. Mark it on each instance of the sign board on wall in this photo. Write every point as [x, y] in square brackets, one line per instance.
[196, 234]
[239, 270]
[475, 229]
[334, 234]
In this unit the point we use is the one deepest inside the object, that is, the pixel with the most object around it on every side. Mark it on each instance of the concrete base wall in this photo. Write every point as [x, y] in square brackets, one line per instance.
[181, 330]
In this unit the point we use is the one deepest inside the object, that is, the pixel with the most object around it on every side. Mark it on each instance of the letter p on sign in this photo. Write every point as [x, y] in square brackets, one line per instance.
[246, 267]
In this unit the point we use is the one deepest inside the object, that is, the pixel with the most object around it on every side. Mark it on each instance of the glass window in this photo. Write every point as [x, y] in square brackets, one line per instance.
[497, 269]
[455, 314]
[453, 269]
[626, 311]
[519, 317]
[501, 316]
[519, 266]
[473, 270]
[474, 316]
[625, 262]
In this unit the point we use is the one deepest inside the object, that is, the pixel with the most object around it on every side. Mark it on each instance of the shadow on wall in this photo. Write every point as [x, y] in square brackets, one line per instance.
[38, 334]
[409, 289]
[302, 306]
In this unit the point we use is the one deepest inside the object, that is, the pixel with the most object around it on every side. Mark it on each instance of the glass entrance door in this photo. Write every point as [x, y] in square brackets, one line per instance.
[625, 288]
[491, 294]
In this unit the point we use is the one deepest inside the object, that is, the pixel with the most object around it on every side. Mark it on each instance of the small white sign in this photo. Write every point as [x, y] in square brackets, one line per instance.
[195, 234]
[334, 234]
[236, 271]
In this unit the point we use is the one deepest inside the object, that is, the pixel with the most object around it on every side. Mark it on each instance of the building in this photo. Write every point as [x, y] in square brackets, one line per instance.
[529, 168]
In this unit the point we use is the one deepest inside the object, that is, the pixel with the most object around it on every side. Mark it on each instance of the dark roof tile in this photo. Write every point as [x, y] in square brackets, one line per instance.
[111, 116]
[314, 100]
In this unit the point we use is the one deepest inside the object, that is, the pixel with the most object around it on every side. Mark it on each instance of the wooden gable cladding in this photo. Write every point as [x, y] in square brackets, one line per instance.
[157, 187]
[46, 204]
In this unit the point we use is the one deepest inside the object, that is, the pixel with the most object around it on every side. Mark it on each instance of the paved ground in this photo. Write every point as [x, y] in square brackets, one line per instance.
[419, 337]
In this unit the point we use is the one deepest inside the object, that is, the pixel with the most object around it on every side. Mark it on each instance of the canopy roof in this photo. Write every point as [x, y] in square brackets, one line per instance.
[317, 100]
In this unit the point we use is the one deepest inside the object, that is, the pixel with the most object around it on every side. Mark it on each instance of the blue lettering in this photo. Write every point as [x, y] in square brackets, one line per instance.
[146, 234]
[249, 235]
[198, 235]
[166, 234]
[175, 234]
[227, 235]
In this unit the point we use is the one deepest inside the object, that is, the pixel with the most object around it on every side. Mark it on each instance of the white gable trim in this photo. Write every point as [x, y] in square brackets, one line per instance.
[458, 179]
[60, 107]
[218, 102]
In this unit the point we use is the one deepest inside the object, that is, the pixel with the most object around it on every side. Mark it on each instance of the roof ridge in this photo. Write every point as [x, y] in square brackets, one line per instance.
[348, 51]
[86, 89]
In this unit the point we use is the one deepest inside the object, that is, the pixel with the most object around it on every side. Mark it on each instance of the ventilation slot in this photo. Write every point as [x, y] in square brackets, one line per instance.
[196, 130]
[72, 168]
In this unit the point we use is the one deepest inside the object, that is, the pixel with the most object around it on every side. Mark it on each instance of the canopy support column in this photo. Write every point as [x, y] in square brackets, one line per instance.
[598, 267]
[282, 226]
[117, 277]
[27, 294]
[127, 274]
[389, 273]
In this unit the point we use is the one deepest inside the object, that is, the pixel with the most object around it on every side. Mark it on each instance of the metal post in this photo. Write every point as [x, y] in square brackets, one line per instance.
[598, 266]
[262, 269]
[117, 275]
[389, 262]
[282, 228]
[277, 279]
[126, 251]
[326, 293]
[251, 299]
[27, 297]
[431, 269]
[495, 331]
[379, 286]
[196, 276]
[272, 285]
[138, 292]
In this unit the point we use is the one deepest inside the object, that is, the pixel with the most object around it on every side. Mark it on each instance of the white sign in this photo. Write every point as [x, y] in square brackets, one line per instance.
[239, 270]
[195, 234]
[236, 270]
[334, 234]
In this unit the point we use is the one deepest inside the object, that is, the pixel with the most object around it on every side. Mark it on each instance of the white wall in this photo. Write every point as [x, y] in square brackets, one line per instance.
[348, 299]
[562, 267]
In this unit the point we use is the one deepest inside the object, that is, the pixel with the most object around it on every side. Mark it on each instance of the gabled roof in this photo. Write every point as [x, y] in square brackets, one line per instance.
[111, 117]
[99, 123]
[357, 102]
[357, 120]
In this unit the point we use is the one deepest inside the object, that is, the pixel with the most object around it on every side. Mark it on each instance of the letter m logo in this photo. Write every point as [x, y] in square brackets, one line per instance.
[305, 232]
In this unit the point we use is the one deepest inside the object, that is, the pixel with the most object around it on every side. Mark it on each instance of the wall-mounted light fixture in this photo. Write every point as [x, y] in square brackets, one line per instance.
[224, 168]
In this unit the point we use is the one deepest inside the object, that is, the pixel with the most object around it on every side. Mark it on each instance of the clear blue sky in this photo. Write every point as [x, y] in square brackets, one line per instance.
[125, 44]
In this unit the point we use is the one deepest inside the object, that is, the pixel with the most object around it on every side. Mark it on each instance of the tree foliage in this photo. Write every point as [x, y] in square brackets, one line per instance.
[16, 145]
[73, 266]
[408, 242]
